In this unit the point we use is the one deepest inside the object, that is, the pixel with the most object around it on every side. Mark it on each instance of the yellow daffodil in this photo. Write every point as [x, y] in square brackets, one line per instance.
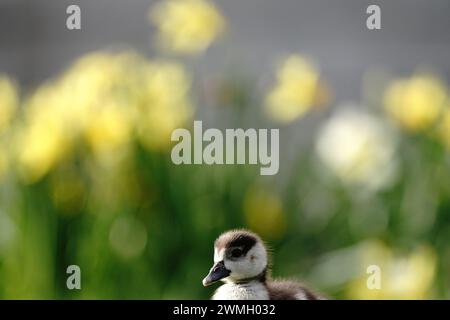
[44, 138]
[41, 146]
[444, 128]
[8, 102]
[166, 103]
[415, 103]
[109, 128]
[103, 99]
[186, 26]
[298, 89]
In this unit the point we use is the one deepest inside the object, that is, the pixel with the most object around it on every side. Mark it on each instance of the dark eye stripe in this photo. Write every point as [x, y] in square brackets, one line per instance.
[240, 238]
[245, 242]
[236, 252]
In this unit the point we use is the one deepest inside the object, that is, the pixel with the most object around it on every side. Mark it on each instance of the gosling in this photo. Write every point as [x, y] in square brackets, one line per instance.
[241, 262]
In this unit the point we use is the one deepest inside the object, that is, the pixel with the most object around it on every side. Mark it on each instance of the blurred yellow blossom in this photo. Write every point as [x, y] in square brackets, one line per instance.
[166, 103]
[402, 276]
[103, 99]
[264, 213]
[358, 148]
[415, 103]
[444, 128]
[109, 128]
[44, 138]
[54, 117]
[8, 101]
[186, 26]
[298, 89]
[40, 146]
[85, 86]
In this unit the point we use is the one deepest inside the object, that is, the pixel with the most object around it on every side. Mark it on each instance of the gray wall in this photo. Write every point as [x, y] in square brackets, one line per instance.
[34, 43]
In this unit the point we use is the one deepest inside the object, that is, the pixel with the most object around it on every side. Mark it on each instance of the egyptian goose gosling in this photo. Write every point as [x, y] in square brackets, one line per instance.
[241, 262]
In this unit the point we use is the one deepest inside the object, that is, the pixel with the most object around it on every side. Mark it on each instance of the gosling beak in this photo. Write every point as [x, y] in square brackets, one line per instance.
[217, 272]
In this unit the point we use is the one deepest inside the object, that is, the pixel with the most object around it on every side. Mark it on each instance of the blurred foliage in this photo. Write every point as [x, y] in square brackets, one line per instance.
[86, 177]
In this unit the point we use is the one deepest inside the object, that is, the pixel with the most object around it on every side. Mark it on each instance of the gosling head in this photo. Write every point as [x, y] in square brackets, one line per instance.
[239, 256]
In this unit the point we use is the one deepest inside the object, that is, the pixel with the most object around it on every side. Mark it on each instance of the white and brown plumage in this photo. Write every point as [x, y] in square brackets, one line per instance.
[241, 262]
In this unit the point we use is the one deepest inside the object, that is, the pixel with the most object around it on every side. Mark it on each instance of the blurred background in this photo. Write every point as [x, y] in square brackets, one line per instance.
[86, 116]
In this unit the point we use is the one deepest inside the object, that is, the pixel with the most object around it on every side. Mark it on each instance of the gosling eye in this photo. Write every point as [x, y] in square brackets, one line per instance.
[236, 253]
